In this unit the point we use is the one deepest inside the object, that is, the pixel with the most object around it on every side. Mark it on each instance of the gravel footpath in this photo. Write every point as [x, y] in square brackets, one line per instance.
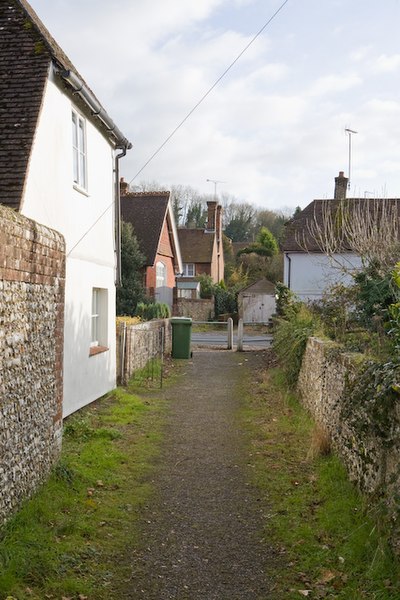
[202, 533]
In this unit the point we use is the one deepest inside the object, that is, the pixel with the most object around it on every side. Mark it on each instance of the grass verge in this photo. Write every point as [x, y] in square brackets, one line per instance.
[72, 540]
[328, 537]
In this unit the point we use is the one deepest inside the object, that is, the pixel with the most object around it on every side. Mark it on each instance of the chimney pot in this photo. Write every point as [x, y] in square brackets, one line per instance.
[123, 187]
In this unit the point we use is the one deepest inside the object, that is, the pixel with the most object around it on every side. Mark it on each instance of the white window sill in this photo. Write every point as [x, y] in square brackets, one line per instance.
[80, 190]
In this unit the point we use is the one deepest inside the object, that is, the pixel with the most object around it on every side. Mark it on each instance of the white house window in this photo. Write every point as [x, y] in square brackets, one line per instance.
[79, 150]
[99, 326]
[161, 275]
[188, 270]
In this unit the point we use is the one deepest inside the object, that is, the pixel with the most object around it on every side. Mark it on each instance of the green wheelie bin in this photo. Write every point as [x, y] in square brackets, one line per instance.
[181, 334]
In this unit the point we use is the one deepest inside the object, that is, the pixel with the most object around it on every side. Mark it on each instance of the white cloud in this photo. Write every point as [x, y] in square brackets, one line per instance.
[387, 64]
[273, 129]
[331, 84]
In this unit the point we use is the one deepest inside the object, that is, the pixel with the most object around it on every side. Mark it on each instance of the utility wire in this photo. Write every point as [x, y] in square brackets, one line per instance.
[210, 89]
[189, 114]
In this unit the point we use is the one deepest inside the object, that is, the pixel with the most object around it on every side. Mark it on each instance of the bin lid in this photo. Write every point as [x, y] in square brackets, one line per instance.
[181, 320]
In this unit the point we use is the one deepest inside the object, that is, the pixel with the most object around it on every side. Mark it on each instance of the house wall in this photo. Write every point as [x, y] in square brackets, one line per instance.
[51, 199]
[165, 246]
[165, 255]
[203, 269]
[214, 263]
[32, 264]
[308, 275]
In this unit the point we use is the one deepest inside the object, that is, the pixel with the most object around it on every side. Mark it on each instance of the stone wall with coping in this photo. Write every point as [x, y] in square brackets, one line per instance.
[32, 281]
[196, 309]
[137, 344]
[323, 384]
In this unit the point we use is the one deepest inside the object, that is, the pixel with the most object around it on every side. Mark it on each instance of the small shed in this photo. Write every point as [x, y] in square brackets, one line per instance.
[257, 302]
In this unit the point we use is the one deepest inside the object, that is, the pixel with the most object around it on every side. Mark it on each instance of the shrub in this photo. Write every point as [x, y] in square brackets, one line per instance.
[153, 310]
[206, 286]
[133, 261]
[225, 301]
[290, 341]
[286, 301]
[337, 311]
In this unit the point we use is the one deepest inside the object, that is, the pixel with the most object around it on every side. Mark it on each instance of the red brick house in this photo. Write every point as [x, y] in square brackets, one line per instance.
[152, 218]
[202, 252]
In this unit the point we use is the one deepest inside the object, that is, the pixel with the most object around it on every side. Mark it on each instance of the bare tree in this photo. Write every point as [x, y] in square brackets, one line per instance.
[367, 227]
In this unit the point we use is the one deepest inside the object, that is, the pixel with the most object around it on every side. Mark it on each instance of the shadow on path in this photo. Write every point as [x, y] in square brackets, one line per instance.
[202, 533]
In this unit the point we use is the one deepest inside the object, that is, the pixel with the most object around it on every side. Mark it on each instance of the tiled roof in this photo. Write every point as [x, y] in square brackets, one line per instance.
[296, 230]
[24, 65]
[26, 52]
[196, 245]
[262, 286]
[146, 211]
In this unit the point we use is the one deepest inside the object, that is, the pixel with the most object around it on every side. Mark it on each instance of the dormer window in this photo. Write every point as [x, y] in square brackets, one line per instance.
[79, 150]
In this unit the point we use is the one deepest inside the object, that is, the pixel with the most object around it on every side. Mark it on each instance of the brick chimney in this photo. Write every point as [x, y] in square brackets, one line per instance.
[211, 214]
[123, 187]
[341, 186]
[218, 222]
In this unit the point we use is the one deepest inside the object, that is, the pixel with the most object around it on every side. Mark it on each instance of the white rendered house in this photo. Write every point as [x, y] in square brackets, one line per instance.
[308, 271]
[68, 180]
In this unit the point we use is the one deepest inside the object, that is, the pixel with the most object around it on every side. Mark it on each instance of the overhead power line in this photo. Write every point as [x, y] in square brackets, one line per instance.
[189, 114]
[208, 92]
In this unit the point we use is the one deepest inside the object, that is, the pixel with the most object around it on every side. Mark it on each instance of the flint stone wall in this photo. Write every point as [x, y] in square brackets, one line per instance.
[322, 382]
[197, 309]
[32, 279]
[137, 344]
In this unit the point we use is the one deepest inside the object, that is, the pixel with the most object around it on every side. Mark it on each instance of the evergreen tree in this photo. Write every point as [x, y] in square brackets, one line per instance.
[132, 262]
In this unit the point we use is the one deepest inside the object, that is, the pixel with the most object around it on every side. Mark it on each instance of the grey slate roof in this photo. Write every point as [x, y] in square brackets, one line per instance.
[297, 226]
[27, 51]
[196, 245]
[146, 211]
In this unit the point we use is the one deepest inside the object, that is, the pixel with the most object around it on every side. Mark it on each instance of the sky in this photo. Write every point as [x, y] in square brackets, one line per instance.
[273, 130]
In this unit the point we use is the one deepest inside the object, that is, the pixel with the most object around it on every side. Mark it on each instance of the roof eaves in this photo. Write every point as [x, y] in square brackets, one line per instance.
[69, 74]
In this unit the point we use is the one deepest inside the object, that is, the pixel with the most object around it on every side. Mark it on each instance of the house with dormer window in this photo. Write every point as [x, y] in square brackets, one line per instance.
[59, 162]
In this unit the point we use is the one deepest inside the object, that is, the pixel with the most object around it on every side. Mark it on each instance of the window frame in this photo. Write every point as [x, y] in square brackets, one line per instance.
[186, 270]
[99, 321]
[79, 151]
[164, 276]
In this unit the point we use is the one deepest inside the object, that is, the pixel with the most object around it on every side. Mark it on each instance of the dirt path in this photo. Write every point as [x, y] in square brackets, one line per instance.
[201, 536]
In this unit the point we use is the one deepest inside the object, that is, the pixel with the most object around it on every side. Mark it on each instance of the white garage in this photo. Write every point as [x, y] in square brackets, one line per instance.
[257, 302]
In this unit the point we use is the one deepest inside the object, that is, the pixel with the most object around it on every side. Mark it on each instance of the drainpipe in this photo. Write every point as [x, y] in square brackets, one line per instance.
[289, 270]
[117, 217]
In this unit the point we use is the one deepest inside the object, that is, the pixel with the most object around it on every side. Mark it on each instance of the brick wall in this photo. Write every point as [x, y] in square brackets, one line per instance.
[32, 278]
[137, 344]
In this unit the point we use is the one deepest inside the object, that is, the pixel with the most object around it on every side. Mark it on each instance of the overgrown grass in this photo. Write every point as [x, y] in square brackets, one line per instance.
[72, 539]
[330, 540]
